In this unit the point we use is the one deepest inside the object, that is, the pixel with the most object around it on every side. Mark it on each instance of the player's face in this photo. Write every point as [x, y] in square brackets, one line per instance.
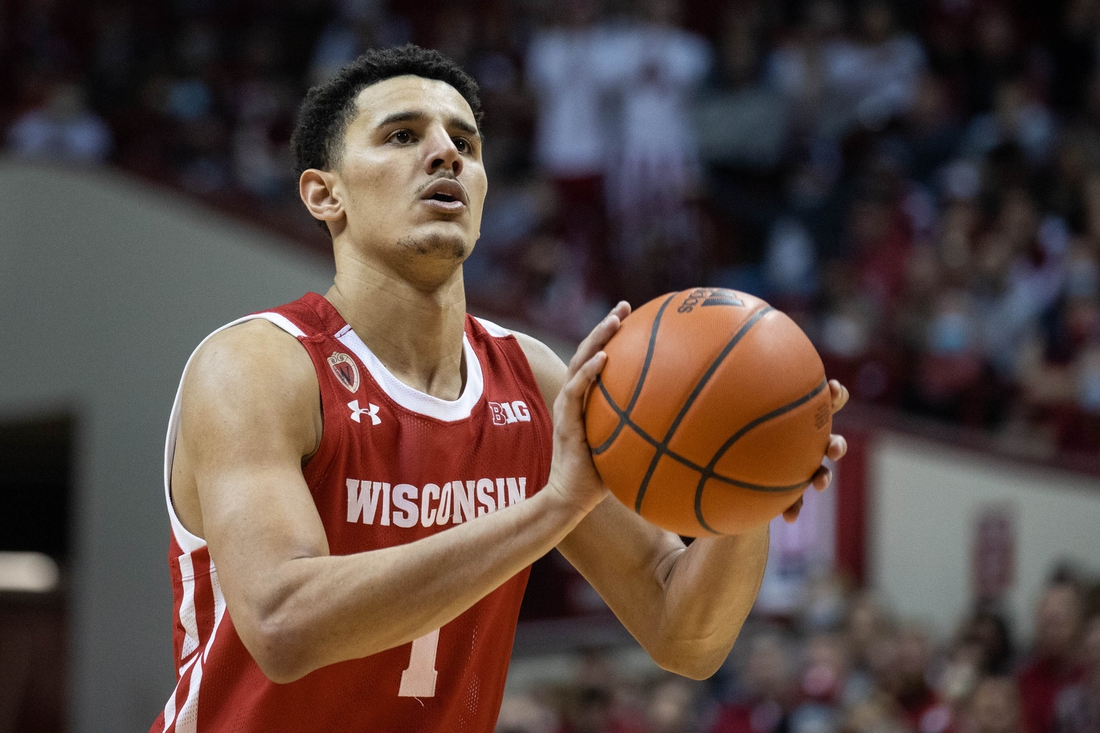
[412, 175]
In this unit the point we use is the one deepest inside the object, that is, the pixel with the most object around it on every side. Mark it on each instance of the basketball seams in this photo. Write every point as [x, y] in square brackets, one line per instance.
[662, 448]
[763, 419]
[683, 460]
[709, 472]
[713, 368]
[624, 416]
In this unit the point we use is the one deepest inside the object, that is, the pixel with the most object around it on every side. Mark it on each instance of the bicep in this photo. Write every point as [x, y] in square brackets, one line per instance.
[246, 422]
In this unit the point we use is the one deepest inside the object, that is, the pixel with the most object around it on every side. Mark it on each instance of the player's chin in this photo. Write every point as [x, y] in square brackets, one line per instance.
[443, 243]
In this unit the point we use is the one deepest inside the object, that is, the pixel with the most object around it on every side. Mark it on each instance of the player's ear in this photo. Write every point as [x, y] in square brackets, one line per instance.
[318, 192]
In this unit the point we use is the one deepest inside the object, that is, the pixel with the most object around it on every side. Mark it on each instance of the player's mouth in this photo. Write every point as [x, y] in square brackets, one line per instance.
[446, 195]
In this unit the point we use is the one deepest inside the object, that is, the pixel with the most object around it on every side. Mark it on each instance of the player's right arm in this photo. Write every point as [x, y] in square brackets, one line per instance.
[250, 418]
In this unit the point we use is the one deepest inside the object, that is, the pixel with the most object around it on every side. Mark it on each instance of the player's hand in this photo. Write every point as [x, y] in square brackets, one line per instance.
[573, 475]
[838, 446]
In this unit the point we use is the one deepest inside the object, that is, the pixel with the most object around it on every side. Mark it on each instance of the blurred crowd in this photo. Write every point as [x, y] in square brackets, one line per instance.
[846, 665]
[917, 184]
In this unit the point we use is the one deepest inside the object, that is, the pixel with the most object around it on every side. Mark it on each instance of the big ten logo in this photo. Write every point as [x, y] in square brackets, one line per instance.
[506, 413]
[704, 297]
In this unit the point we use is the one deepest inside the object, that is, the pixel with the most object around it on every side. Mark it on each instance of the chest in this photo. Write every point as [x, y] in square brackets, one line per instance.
[387, 474]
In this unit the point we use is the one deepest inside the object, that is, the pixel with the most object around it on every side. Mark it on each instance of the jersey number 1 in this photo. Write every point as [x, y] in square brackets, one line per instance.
[419, 679]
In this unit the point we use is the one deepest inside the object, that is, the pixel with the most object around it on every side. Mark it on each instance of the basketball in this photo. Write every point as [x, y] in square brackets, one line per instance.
[712, 412]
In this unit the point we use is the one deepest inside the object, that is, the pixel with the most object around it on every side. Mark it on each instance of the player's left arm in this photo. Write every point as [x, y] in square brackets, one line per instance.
[684, 605]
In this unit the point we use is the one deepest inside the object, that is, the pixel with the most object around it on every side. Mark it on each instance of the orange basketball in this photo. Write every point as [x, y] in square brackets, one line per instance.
[712, 413]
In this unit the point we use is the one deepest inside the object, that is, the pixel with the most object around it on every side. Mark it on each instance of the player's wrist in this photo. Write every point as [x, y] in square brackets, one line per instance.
[566, 504]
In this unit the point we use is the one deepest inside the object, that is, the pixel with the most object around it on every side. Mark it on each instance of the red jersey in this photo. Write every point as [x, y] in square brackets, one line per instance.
[1040, 683]
[394, 465]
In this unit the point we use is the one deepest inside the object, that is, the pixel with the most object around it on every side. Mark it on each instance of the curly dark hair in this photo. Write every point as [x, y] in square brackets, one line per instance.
[328, 108]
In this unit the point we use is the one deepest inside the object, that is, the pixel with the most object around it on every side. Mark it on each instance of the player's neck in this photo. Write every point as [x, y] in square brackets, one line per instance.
[415, 333]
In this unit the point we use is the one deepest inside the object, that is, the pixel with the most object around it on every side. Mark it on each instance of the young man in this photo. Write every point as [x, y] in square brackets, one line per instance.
[358, 482]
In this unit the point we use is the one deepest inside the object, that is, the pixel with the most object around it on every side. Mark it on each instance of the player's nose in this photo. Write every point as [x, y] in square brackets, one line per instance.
[441, 152]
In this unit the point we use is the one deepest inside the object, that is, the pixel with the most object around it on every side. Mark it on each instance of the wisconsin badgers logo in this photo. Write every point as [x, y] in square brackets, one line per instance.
[345, 370]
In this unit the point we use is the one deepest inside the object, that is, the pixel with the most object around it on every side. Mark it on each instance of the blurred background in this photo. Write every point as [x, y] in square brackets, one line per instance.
[917, 184]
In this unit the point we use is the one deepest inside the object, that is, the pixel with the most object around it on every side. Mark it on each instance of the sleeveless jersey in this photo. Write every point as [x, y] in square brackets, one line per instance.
[394, 465]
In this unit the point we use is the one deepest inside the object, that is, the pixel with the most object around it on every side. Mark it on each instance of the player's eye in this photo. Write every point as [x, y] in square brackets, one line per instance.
[463, 145]
[402, 136]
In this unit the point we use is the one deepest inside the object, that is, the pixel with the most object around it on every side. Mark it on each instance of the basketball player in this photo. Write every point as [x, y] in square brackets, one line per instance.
[358, 482]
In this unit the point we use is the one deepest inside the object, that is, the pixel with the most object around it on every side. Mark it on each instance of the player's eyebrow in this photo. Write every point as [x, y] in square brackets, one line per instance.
[418, 116]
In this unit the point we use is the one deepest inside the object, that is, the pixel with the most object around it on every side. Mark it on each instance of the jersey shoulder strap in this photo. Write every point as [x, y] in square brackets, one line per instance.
[300, 320]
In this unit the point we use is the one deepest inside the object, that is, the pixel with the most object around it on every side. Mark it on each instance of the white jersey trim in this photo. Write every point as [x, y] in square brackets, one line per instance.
[413, 399]
[188, 612]
[493, 329]
[187, 541]
[170, 706]
[187, 719]
[219, 608]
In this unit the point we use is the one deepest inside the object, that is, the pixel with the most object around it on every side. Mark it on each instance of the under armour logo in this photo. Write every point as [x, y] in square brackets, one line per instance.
[371, 410]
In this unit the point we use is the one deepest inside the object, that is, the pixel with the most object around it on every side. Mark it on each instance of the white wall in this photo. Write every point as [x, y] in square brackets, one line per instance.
[925, 498]
[106, 285]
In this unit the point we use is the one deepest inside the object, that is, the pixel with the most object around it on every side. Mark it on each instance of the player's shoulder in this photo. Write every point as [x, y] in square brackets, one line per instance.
[248, 357]
[253, 340]
[547, 367]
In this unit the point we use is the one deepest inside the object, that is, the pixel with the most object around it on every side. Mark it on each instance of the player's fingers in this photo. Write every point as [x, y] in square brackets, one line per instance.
[621, 310]
[572, 393]
[839, 394]
[592, 344]
[838, 447]
[599, 336]
[822, 478]
[791, 514]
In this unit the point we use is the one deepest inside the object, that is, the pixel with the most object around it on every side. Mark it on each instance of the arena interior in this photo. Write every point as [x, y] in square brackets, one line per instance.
[916, 184]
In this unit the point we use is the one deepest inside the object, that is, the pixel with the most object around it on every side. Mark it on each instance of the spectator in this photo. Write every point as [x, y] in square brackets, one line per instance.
[568, 70]
[885, 73]
[1019, 118]
[1054, 666]
[357, 26]
[525, 714]
[592, 710]
[1077, 708]
[765, 699]
[808, 66]
[908, 684]
[994, 707]
[62, 130]
[983, 648]
[932, 133]
[672, 707]
[879, 714]
[951, 365]
[1074, 55]
[1023, 267]
[997, 57]
[881, 244]
[991, 631]
[961, 673]
[654, 177]
[790, 264]
[821, 686]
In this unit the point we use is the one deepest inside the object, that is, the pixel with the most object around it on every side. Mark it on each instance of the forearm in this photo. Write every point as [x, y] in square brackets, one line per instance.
[684, 606]
[326, 609]
[708, 591]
